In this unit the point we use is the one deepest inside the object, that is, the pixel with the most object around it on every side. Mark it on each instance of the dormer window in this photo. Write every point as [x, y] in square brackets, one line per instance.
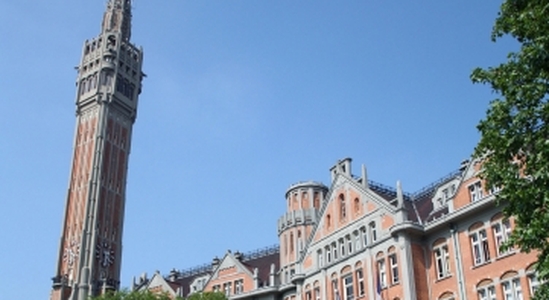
[475, 191]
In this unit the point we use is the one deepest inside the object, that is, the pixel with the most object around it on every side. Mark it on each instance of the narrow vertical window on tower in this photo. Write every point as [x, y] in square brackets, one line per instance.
[342, 208]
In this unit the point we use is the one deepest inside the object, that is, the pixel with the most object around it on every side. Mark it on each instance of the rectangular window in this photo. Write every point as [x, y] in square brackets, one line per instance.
[382, 273]
[238, 286]
[335, 290]
[308, 295]
[502, 233]
[479, 244]
[364, 236]
[227, 288]
[356, 236]
[394, 268]
[512, 290]
[317, 293]
[320, 260]
[533, 283]
[334, 250]
[360, 280]
[348, 287]
[328, 255]
[475, 191]
[349, 244]
[487, 293]
[342, 247]
[442, 261]
[373, 231]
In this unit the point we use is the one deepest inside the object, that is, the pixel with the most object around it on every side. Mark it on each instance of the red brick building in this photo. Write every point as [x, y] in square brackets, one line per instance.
[358, 239]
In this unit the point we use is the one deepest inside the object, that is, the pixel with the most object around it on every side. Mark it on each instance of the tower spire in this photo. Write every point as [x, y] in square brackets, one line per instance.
[108, 86]
[118, 19]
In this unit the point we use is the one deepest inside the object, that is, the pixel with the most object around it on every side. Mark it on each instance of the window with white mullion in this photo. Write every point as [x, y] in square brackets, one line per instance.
[360, 281]
[358, 243]
[533, 283]
[394, 268]
[442, 261]
[382, 273]
[487, 293]
[475, 191]
[512, 289]
[348, 288]
[502, 233]
[479, 245]
[349, 244]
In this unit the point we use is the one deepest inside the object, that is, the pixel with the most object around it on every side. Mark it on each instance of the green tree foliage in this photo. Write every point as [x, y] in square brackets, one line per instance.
[514, 141]
[135, 295]
[146, 295]
[207, 296]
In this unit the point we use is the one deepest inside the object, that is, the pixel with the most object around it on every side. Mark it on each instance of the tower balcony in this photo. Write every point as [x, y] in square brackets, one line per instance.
[297, 217]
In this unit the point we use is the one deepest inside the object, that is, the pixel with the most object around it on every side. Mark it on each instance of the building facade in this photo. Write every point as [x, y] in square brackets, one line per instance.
[358, 239]
[108, 84]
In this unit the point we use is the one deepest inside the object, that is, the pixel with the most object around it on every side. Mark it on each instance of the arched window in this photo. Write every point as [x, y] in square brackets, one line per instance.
[442, 258]
[479, 244]
[356, 205]
[381, 269]
[510, 284]
[447, 296]
[501, 227]
[393, 265]
[486, 290]
[342, 208]
[533, 281]
[291, 242]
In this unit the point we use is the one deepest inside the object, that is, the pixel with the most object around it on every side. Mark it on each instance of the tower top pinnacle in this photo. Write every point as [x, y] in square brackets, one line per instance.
[118, 18]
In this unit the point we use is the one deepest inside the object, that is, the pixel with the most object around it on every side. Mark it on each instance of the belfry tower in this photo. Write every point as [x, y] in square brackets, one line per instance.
[109, 82]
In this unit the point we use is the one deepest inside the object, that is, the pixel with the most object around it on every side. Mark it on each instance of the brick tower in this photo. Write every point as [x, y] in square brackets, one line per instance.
[109, 82]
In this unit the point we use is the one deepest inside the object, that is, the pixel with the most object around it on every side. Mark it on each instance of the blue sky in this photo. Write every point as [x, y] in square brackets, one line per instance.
[242, 99]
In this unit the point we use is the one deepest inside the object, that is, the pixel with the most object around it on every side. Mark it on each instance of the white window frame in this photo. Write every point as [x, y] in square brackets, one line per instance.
[334, 250]
[227, 288]
[487, 292]
[335, 289]
[328, 252]
[393, 265]
[358, 243]
[442, 261]
[512, 289]
[364, 234]
[320, 259]
[502, 232]
[475, 191]
[317, 293]
[349, 244]
[382, 273]
[348, 288]
[480, 247]
[533, 283]
[360, 282]
[373, 231]
[342, 247]
[238, 286]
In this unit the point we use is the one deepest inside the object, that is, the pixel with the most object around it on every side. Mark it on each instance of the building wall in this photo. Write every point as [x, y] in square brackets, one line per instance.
[367, 241]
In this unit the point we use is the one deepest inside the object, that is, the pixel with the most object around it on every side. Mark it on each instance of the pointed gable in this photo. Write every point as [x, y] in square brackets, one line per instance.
[229, 274]
[158, 284]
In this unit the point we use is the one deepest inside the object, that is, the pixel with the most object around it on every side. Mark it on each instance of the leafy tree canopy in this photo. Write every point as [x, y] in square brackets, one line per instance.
[514, 141]
[207, 296]
[134, 295]
[147, 295]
